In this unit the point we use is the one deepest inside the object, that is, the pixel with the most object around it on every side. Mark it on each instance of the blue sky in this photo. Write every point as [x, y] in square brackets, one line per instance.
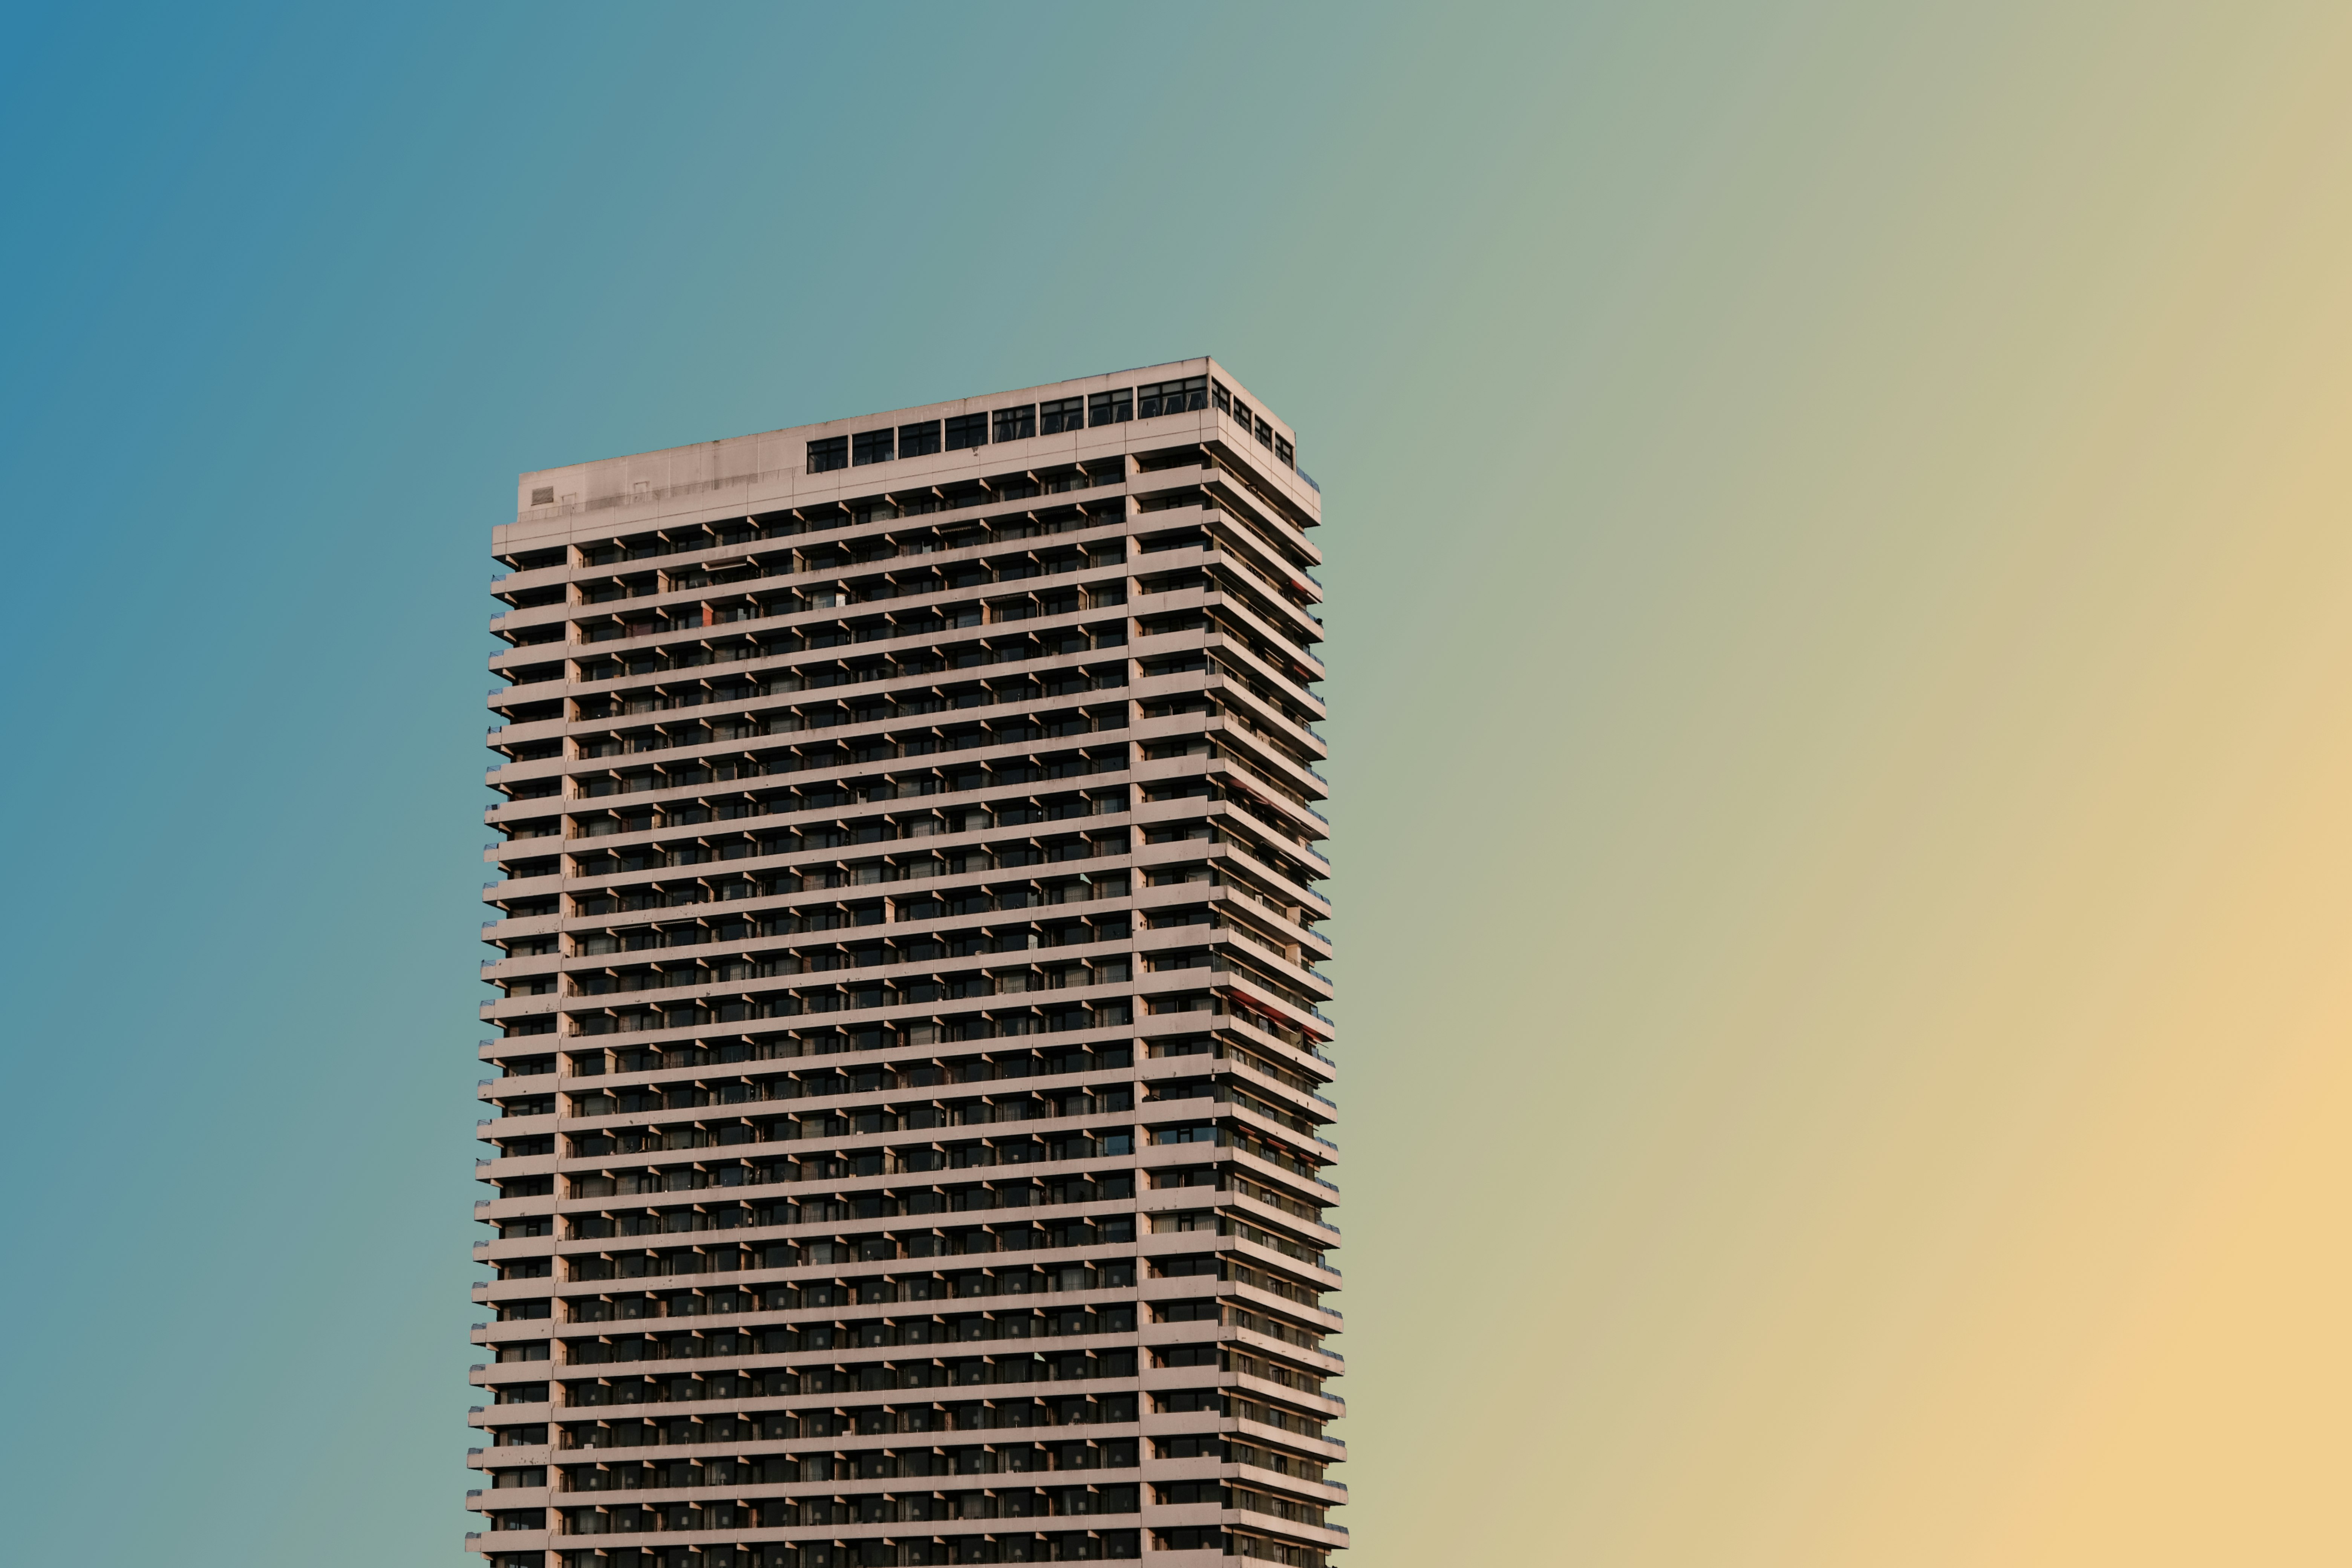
[1836, 598]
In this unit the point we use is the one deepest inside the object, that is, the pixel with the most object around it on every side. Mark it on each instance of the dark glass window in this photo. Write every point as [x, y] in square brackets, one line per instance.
[1220, 397]
[967, 430]
[1062, 413]
[1281, 449]
[1111, 407]
[1191, 1537]
[919, 440]
[1016, 424]
[1264, 432]
[828, 455]
[873, 446]
[1172, 396]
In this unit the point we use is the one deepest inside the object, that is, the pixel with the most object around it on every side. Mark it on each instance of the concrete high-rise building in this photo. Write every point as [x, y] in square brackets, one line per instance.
[908, 1135]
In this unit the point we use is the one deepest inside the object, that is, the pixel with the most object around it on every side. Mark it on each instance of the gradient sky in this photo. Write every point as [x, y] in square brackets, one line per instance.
[1840, 591]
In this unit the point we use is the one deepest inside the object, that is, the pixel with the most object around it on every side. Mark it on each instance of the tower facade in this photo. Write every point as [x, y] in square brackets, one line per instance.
[908, 1138]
